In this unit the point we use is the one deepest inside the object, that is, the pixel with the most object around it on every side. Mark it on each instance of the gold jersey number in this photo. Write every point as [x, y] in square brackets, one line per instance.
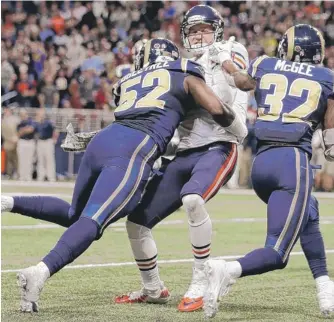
[275, 100]
[128, 97]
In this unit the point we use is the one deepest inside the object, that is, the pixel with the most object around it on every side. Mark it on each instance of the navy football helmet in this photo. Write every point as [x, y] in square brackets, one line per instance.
[302, 43]
[201, 14]
[156, 50]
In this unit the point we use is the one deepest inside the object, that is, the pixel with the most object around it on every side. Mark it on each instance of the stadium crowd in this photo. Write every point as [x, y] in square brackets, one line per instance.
[68, 54]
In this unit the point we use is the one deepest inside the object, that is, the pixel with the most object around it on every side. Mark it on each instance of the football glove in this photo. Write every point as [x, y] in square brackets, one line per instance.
[76, 142]
[221, 51]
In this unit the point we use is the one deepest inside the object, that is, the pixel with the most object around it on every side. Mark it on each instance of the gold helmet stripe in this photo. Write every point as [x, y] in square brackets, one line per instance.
[147, 51]
[291, 42]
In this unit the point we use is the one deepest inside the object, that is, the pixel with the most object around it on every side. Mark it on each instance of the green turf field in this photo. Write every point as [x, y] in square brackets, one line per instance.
[86, 294]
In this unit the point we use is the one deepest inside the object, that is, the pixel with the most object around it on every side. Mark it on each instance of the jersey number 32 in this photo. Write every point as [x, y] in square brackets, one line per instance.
[275, 100]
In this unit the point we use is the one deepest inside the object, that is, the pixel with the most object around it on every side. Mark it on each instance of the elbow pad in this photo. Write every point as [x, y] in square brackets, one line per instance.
[328, 136]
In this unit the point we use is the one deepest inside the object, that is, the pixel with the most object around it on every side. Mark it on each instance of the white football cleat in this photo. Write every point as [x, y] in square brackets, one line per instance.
[219, 282]
[31, 282]
[193, 299]
[326, 297]
[160, 296]
[7, 203]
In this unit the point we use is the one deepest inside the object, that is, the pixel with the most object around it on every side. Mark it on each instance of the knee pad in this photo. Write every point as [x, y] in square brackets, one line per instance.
[136, 231]
[194, 205]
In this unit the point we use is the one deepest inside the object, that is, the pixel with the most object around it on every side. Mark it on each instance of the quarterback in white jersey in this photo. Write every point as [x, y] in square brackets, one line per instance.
[199, 128]
[205, 160]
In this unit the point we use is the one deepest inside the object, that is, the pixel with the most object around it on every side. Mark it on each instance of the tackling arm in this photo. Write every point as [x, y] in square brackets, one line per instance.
[222, 114]
[328, 133]
[206, 98]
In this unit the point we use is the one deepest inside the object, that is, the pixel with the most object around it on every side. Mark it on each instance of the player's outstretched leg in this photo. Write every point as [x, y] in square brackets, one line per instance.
[46, 208]
[145, 252]
[116, 191]
[200, 228]
[287, 213]
[313, 246]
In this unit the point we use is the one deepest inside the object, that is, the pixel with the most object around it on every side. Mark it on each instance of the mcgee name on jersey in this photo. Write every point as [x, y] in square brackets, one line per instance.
[300, 68]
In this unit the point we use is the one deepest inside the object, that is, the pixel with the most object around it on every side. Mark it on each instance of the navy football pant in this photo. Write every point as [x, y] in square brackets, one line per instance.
[282, 178]
[113, 174]
[111, 179]
[199, 171]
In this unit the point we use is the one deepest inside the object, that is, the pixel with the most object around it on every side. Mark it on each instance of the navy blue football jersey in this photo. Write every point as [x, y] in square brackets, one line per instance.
[153, 99]
[292, 100]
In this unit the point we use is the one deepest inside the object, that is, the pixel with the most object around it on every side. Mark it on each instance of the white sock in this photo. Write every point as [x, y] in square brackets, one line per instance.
[44, 270]
[234, 268]
[320, 281]
[200, 238]
[9, 202]
[200, 228]
[145, 252]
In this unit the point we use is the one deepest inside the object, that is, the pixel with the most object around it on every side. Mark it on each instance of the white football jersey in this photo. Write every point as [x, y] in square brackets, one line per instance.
[199, 128]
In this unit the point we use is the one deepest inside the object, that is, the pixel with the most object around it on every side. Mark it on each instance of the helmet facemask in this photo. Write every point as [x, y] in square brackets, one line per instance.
[202, 45]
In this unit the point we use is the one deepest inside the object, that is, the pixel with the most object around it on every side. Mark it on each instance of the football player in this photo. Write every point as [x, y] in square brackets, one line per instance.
[117, 163]
[205, 160]
[294, 94]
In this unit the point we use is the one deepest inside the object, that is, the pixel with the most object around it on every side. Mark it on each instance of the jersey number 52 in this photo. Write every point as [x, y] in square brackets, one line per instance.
[275, 100]
[151, 99]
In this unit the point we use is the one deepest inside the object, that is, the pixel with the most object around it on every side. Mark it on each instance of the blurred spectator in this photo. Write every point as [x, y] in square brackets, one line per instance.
[49, 95]
[62, 83]
[47, 138]
[103, 95]
[10, 137]
[27, 89]
[57, 21]
[88, 18]
[76, 53]
[93, 62]
[74, 90]
[26, 146]
[8, 76]
[88, 88]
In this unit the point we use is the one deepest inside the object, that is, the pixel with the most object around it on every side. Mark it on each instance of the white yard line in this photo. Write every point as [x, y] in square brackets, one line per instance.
[168, 261]
[325, 221]
[237, 192]
[30, 194]
[33, 184]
